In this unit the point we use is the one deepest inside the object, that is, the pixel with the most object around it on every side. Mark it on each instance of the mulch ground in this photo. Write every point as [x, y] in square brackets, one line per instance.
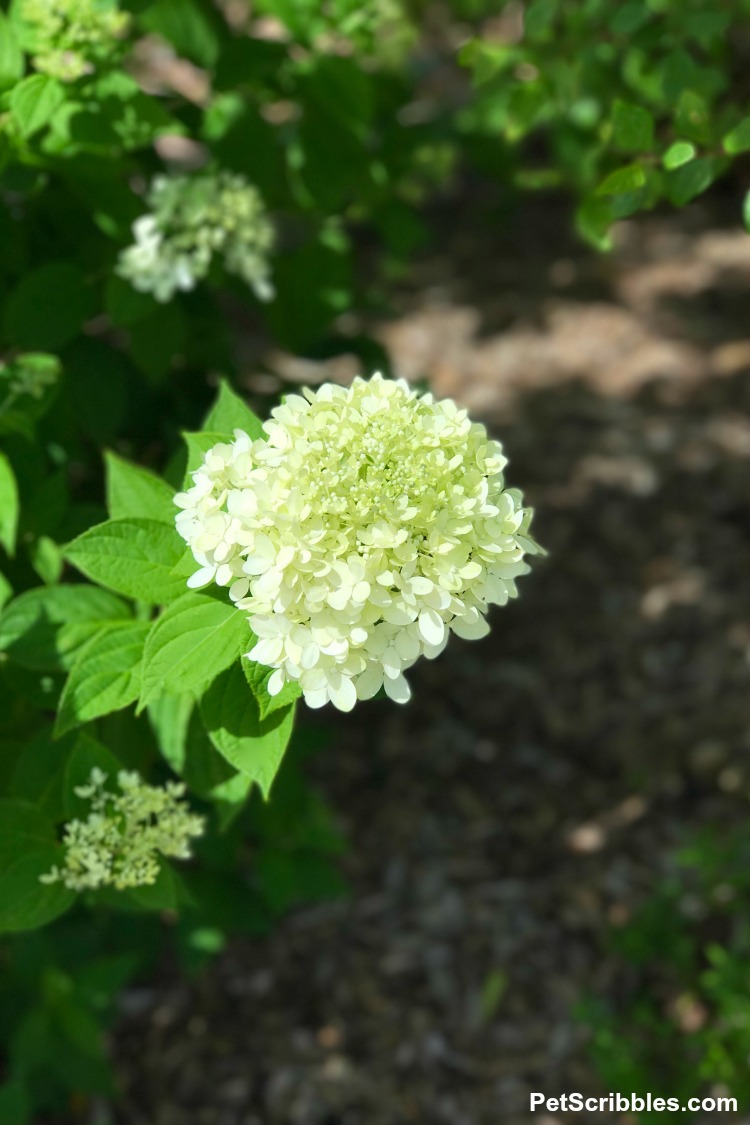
[534, 790]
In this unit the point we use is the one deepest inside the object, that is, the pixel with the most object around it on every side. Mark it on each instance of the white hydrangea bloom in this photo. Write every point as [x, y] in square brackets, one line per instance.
[121, 840]
[367, 525]
[192, 220]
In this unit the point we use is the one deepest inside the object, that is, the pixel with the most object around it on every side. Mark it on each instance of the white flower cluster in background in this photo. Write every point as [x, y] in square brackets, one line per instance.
[69, 37]
[121, 840]
[191, 221]
[369, 524]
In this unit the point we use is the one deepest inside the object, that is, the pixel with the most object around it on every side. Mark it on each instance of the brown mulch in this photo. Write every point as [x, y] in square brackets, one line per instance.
[531, 794]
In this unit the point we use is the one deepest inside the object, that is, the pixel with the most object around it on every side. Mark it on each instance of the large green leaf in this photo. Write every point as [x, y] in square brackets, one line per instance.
[195, 638]
[8, 505]
[134, 557]
[44, 628]
[229, 413]
[106, 675]
[253, 745]
[135, 493]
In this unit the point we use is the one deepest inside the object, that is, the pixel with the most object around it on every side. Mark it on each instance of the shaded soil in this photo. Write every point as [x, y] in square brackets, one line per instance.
[532, 793]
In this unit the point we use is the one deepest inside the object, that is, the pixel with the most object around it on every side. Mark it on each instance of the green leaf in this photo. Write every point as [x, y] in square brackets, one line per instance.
[8, 506]
[627, 179]
[105, 676]
[25, 902]
[184, 744]
[593, 220]
[254, 746]
[33, 102]
[746, 212]
[692, 119]
[22, 827]
[229, 413]
[15, 1103]
[11, 56]
[632, 127]
[27, 850]
[195, 638]
[157, 339]
[257, 676]
[87, 755]
[739, 138]
[538, 17]
[134, 492]
[39, 773]
[192, 27]
[678, 154]
[691, 179]
[47, 307]
[42, 629]
[160, 895]
[131, 556]
[629, 17]
[47, 559]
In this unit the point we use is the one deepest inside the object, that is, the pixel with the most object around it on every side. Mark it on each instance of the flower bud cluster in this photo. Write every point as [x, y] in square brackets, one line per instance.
[192, 221]
[365, 527]
[70, 37]
[121, 840]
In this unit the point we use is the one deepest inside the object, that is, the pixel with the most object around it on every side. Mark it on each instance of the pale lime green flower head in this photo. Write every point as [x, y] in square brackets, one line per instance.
[121, 841]
[368, 524]
[193, 220]
[70, 38]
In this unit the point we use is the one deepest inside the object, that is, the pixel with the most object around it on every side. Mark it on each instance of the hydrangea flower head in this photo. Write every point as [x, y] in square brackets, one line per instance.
[366, 526]
[192, 220]
[69, 37]
[121, 840]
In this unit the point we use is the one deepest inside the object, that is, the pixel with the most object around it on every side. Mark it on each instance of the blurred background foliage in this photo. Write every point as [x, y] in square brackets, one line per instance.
[353, 120]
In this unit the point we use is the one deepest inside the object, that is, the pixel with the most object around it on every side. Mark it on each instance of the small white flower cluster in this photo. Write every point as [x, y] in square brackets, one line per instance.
[121, 840]
[193, 219]
[70, 37]
[366, 526]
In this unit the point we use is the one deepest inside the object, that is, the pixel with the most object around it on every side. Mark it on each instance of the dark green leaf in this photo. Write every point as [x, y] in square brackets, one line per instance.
[254, 746]
[632, 127]
[87, 755]
[193, 27]
[42, 629]
[48, 307]
[691, 179]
